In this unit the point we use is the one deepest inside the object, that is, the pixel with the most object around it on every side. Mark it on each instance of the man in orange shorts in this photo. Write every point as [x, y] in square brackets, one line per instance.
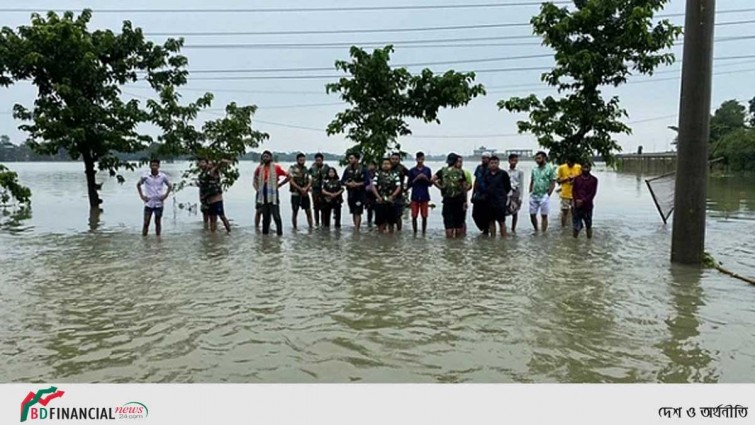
[419, 181]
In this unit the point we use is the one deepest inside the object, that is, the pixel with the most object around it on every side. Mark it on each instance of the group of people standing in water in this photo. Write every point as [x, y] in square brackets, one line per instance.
[384, 192]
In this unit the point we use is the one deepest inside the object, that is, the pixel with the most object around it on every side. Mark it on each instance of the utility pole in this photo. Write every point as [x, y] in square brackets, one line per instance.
[688, 238]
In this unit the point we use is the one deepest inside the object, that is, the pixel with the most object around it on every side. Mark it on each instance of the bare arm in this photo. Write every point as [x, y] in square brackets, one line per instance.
[284, 173]
[139, 189]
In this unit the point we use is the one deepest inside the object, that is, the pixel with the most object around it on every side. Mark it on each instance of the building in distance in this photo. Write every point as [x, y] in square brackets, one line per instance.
[522, 153]
[482, 149]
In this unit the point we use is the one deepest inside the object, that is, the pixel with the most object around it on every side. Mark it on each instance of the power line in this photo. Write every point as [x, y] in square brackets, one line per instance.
[338, 9]
[349, 44]
[333, 77]
[330, 68]
[327, 77]
[312, 9]
[455, 136]
[374, 30]
[429, 43]
[341, 46]
[343, 31]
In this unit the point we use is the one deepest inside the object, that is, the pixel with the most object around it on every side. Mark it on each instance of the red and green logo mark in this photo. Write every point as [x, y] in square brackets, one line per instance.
[42, 397]
[30, 410]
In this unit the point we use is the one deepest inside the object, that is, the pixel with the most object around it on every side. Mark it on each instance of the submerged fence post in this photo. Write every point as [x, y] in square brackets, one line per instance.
[688, 238]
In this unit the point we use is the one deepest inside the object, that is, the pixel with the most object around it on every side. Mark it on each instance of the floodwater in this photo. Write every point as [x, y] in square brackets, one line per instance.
[88, 299]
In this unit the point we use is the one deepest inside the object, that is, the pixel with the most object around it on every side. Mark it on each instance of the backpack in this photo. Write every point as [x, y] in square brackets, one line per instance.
[453, 182]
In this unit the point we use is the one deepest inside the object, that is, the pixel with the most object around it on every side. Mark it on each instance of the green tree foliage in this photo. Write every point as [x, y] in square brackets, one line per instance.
[11, 189]
[227, 137]
[79, 73]
[382, 98]
[733, 135]
[729, 117]
[597, 43]
[738, 149]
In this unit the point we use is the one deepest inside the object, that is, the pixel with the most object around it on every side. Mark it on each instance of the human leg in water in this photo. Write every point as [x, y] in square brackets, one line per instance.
[158, 221]
[266, 218]
[337, 216]
[147, 219]
[277, 217]
[326, 216]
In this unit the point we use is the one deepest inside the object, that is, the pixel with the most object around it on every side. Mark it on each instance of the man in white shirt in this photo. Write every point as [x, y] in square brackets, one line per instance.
[153, 195]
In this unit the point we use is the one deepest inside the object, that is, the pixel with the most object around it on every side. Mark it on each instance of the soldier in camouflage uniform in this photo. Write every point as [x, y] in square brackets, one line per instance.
[318, 172]
[453, 186]
[301, 184]
[386, 186]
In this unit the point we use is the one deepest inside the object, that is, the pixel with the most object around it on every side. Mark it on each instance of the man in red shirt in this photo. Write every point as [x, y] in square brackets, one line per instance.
[266, 183]
[585, 186]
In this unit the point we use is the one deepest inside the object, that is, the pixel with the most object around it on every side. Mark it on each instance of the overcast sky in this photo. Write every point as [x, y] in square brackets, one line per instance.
[651, 103]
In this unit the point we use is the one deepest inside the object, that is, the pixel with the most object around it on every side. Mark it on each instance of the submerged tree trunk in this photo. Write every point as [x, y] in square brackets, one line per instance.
[92, 187]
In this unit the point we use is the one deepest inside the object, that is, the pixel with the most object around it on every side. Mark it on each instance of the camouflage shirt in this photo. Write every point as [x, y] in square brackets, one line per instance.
[318, 174]
[386, 183]
[452, 181]
[300, 176]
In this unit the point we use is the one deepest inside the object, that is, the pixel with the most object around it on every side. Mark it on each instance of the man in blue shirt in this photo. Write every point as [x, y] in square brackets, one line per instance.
[419, 181]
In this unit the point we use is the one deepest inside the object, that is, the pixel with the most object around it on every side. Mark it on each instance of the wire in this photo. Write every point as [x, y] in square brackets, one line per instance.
[334, 77]
[312, 9]
[374, 30]
[330, 68]
[430, 43]
[341, 46]
[455, 136]
[343, 9]
[326, 77]
[344, 31]
[349, 44]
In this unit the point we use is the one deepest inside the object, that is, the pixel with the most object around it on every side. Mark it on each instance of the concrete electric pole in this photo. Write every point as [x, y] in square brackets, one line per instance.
[688, 238]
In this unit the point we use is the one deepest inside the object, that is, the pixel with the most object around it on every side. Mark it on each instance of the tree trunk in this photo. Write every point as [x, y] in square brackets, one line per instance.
[92, 190]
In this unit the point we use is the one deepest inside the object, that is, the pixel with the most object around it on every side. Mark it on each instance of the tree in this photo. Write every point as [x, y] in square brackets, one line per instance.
[597, 43]
[11, 189]
[729, 117]
[382, 98]
[79, 74]
[752, 112]
[738, 149]
[225, 138]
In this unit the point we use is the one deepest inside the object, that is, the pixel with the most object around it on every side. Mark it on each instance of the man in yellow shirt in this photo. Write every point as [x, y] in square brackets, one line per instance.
[565, 175]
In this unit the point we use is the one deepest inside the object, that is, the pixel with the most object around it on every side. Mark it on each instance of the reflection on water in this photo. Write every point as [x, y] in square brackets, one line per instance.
[688, 362]
[96, 302]
[732, 197]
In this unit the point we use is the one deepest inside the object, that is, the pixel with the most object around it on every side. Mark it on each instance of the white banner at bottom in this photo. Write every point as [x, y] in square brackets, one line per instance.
[366, 404]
